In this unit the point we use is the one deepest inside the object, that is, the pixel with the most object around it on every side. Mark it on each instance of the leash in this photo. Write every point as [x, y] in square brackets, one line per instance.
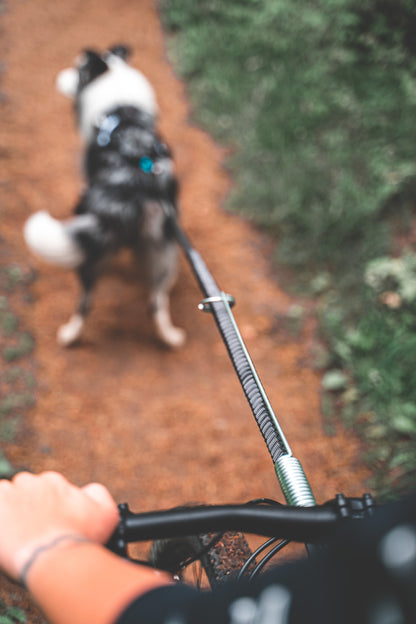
[289, 471]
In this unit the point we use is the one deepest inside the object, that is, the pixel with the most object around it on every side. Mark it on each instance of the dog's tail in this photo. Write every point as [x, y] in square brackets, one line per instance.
[56, 241]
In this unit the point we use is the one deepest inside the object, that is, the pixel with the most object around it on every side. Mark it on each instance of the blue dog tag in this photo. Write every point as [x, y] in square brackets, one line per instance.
[146, 164]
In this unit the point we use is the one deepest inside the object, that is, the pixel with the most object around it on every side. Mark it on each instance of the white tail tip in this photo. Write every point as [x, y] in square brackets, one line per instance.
[50, 240]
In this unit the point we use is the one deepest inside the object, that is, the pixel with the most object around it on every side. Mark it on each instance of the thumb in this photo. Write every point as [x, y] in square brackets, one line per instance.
[109, 514]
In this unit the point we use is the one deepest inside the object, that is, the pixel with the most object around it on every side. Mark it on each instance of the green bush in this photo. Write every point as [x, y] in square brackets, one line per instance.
[379, 351]
[380, 354]
[318, 98]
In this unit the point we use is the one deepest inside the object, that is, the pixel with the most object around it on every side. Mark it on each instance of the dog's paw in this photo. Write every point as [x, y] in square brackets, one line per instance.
[70, 332]
[173, 337]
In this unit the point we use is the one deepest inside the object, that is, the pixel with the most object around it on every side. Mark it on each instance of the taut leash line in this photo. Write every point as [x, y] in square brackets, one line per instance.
[288, 469]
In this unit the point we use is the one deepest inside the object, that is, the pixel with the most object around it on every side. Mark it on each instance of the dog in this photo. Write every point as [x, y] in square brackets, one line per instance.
[131, 189]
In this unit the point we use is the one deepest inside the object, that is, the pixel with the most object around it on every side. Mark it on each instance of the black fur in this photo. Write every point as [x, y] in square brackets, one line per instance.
[91, 66]
[121, 50]
[118, 186]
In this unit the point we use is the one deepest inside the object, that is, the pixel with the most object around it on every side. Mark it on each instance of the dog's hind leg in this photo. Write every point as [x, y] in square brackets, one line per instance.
[162, 274]
[173, 337]
[71, 331]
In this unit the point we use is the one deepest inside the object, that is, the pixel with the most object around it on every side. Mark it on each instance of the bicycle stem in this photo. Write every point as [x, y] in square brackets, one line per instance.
[289, 471]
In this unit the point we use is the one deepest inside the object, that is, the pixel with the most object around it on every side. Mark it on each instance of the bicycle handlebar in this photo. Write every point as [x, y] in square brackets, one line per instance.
[300, 524]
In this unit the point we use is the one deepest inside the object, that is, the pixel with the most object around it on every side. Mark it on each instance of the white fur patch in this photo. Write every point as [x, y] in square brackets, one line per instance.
[71, 331]
[49, 239]
[173, 337]
[121, 85]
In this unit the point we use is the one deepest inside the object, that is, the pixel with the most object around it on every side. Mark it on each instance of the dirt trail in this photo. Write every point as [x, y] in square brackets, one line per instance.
[158, 428]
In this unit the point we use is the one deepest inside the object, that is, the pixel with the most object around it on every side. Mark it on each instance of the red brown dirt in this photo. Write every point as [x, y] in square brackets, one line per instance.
[159, 428]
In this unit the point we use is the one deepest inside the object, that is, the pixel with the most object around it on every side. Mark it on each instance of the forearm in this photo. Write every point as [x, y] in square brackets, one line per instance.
[83, 582]
[52, 536]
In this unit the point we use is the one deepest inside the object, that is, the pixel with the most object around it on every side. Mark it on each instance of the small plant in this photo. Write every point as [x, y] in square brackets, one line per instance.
[11, 276]
[393, 279]
[6, 469]
[8, 321]
[11, 615]
[22, 347]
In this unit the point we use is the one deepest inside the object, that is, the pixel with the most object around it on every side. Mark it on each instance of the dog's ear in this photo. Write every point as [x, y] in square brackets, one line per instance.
[67, 82]
[91, 66]
[122, 51]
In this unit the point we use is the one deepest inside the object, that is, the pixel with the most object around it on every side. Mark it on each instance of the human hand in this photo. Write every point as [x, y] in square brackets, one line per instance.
[37, 510]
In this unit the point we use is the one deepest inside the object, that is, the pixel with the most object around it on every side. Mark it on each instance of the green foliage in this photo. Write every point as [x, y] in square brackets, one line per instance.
[17, 383]
[22, 347]
[379, 351]
[317, 100]
[17, 344]
[11, 615]
[320, 106]
[10, 277]
[395, 277]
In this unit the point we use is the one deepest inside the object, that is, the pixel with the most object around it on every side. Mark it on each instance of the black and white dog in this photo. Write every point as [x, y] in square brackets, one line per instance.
[131, 188]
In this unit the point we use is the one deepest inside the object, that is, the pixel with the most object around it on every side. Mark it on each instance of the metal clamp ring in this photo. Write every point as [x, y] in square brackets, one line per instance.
[205, 305]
